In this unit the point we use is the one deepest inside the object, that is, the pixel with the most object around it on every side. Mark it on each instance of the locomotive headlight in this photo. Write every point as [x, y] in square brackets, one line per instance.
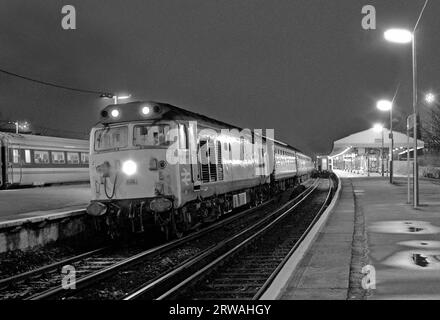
[129, 167]
[115, 113]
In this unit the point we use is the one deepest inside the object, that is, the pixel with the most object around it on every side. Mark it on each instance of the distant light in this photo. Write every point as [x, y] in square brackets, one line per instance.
[115, 113]
[124, 97]
[430, 98]
[384, 105]
[145, 110]
[398, 35]
[378, 127]
[129, 167]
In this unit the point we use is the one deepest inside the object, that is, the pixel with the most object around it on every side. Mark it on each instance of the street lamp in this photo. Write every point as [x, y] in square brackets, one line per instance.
[115, 97]
[379, 128]
[386, 105]
[430, 98]
[23, 126]
[403, 36]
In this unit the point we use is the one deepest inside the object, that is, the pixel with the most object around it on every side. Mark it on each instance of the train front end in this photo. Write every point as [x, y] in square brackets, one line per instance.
[133, 186]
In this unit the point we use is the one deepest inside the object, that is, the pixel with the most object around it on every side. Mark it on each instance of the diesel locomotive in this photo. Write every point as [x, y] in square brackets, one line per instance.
[157, 164]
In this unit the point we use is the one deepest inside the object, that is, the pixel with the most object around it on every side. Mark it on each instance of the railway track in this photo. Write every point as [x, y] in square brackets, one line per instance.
[98, 265]
[243, 265]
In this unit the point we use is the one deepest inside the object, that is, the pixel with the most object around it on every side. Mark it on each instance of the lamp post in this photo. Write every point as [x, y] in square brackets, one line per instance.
[403, 36]
[379, 128]
[20, 125]
[115, 97]
[385, 105]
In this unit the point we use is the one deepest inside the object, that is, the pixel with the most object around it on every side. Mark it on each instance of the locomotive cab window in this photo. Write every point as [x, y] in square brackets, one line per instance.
[152, 135]
[111, 138]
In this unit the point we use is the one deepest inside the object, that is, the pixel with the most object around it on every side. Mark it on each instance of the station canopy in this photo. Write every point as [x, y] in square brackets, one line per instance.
[372, 139]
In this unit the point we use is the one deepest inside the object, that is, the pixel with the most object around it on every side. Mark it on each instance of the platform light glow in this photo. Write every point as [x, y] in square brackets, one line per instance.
[115, 113]
[129, 167]
[430, 98]
[145, 110]
[378, 127]
[398, 36]
[384, 105]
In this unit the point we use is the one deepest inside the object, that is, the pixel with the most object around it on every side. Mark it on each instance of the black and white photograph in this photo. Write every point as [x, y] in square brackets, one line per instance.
[219, 158]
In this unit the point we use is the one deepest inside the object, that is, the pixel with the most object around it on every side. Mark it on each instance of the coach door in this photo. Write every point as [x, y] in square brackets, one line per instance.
[3, 164]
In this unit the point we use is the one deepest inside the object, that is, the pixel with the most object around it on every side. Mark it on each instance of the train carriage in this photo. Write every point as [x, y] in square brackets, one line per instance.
[156, 163]
[38, 160]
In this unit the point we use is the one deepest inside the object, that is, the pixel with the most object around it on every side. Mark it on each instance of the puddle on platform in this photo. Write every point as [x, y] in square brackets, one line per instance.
[404, 226]
[427, 244]
[415, 260]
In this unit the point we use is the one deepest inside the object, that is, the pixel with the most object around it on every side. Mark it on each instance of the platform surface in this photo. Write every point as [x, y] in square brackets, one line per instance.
[38, 201]
[401, 243]
[323, 273]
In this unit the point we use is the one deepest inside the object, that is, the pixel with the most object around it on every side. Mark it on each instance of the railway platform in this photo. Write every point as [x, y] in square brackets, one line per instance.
[371, 226]
[42, 201]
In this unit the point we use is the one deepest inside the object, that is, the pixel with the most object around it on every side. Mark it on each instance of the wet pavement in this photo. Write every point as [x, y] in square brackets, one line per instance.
[403, 243]
[37, 201]
[373, 230]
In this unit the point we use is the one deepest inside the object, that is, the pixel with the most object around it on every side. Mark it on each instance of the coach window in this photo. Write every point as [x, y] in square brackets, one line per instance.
[27, 156]
[72, 158]
[58, 157]
[85, 158]
[41, 157]
[15, 156]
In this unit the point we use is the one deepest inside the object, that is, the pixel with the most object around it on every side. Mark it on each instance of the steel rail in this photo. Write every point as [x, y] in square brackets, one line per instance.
[106, 272]
[297, 244]
[153, 287]
[47, 268]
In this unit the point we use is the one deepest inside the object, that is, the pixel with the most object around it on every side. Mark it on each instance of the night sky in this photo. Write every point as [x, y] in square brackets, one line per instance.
[303, 67]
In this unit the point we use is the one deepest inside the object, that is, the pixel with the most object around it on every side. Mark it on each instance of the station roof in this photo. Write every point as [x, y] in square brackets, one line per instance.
[372, 139]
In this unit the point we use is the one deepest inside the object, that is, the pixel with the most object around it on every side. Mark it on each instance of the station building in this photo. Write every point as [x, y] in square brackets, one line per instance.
[368, 151]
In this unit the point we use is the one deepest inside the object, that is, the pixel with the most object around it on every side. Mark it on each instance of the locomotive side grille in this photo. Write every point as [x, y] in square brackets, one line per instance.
[204, 161]
[219, 161]
[212, 162]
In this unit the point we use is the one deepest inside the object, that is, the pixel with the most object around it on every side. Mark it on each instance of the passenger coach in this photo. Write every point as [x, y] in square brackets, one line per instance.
[38, 160]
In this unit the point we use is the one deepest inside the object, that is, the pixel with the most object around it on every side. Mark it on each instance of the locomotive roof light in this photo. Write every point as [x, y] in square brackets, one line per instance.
[129, 167]
[115, 113]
